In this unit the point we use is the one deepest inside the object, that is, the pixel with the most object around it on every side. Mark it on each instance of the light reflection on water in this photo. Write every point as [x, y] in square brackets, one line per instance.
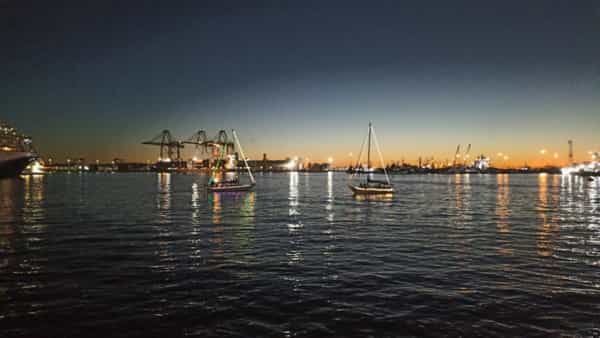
[463, 194]
[543, 244]
[375, 197]
[503, 213]
[293, 199]
[163, 196]
[23, 240]
[519, 249]
[502, 203]
[329, 204]
[294, 254]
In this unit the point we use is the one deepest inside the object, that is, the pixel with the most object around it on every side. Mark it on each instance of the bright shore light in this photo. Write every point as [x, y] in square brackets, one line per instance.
[37, 168]
[291, 165]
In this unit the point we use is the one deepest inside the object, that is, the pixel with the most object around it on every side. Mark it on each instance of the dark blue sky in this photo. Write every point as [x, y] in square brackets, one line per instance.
[303, 78]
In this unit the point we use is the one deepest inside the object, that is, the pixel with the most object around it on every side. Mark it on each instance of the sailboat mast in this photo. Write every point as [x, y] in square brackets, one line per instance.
[369, 149]
[243, 156]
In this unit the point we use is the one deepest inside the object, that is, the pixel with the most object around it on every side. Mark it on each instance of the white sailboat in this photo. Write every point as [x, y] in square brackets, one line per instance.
[371, 186]
[231, 185]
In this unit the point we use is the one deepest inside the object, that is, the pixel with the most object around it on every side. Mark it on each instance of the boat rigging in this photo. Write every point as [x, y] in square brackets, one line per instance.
[371, 186]
[215, 183]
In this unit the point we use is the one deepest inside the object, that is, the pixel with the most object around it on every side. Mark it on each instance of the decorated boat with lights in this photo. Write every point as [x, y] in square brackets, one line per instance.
[370, 186]
[16, 151]
[222, 181]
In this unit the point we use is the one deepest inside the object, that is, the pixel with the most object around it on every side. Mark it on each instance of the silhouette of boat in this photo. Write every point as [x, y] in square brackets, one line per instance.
[370, 186]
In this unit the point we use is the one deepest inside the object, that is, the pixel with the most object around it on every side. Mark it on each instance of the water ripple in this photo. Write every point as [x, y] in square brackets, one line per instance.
[155, 254]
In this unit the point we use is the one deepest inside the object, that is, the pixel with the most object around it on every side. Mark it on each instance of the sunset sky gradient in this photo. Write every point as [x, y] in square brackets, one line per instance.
[305, 77]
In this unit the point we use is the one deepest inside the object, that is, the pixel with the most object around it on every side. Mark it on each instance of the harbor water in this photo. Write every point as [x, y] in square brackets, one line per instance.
[147, 254]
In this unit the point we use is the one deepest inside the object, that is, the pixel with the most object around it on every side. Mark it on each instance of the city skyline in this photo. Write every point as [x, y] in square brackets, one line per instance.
[305, 79]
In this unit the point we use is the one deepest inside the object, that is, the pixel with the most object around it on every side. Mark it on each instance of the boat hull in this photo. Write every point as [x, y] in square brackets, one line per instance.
[13, 164]
[371, 190]
[233, 188]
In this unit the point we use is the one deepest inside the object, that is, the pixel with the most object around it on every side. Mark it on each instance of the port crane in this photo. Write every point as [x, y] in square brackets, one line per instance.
[200, 142]
[456, 156]
[466, 156]
[219, 146]
[223, 141]
[168, 146]
[198, 139]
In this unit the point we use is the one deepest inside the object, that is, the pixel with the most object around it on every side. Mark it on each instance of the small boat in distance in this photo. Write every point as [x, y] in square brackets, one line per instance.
[371, 186]
[230, 185]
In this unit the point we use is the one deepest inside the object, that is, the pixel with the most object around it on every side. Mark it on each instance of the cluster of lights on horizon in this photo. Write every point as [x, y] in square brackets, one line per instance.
[503, 157]
[546, 158]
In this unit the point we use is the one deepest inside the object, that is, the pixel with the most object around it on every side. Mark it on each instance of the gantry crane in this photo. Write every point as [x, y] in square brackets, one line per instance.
[200, 141]
[456, 156]
[466, 156]
[168, 146]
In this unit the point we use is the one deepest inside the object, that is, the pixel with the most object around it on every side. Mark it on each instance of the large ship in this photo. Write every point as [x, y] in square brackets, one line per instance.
[16, 151]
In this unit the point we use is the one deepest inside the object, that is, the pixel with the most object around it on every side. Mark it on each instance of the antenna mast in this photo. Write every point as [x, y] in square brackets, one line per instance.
[570, 151]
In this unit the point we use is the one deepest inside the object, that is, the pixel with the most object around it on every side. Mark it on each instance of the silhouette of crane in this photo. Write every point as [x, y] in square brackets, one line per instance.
[168, 146]
[466, 157]
[456, 155]
[200, 141]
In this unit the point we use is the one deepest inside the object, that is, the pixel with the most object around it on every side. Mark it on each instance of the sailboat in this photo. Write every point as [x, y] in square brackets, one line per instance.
[370, 186]
[230, 185]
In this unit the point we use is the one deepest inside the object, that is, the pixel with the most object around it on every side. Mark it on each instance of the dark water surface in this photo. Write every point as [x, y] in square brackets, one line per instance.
[127, 255]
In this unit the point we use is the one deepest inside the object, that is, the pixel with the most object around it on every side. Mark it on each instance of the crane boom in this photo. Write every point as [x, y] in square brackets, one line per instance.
[466, 157]
[456, 155]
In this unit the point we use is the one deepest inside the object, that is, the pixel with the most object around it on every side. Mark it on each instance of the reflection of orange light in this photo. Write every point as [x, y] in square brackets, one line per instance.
[502, 206]
[216, 209]
[376, 197]
[543, 244]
